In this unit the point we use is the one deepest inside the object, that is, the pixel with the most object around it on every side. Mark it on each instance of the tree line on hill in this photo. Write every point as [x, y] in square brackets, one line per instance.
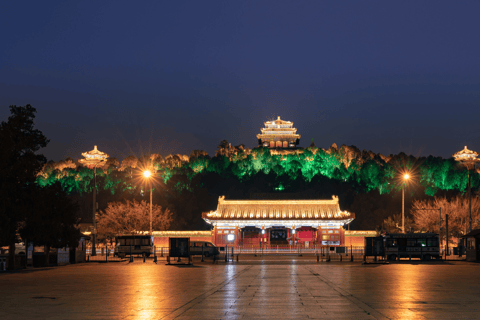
[367, 184]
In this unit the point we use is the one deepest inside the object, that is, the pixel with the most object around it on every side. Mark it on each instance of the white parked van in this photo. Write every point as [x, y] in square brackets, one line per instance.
[209, 249]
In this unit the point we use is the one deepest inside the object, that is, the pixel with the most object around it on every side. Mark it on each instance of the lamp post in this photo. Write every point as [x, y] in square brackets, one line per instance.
[468, 158]
[405, 178]
[94, 158]
[147, 174]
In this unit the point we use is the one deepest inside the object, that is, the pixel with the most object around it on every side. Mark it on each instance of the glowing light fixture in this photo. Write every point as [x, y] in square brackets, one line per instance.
[230, 237]
[147, 174]
[406, 176]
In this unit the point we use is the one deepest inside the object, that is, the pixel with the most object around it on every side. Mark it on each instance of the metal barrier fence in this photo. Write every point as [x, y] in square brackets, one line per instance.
[102, 254]
[319, 253]
[277, 249]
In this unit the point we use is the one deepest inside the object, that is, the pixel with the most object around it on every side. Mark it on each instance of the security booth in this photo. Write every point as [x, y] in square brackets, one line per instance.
[179, 248]
[473, 245]
[374, 247]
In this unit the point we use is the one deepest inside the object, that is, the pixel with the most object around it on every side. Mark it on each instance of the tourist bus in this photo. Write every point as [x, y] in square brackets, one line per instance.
[133, 245]
[412, 245]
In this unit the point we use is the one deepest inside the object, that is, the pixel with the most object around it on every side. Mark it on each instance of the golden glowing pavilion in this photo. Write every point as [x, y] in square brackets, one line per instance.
[94, 157]
[316, 221]
[278, 134]
[467, 157]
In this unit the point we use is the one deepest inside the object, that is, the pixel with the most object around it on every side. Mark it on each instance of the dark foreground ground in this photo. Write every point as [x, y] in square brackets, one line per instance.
[282, 290]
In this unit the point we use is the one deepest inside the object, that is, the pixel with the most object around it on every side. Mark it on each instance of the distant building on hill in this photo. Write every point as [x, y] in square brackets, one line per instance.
[278, 134]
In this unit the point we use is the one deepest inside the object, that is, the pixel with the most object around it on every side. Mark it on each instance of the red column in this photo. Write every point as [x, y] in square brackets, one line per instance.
[237, 236]
[241, 234]
[215, 235]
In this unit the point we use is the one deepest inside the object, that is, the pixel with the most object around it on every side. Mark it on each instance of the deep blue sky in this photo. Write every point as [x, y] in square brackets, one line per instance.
[173, 76]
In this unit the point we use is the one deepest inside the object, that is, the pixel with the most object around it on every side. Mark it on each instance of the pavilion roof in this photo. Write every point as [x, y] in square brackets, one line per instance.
[94, 157]
[279, 121]
[278, 210]
[466, 154]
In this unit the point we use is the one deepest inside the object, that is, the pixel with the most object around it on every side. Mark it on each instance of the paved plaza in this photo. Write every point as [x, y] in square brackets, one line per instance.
[283, 290]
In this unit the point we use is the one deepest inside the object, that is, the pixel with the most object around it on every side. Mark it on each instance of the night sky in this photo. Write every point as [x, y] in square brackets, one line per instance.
[171, 76]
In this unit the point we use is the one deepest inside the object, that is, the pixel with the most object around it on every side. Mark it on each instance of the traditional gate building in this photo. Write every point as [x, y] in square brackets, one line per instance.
[278, 222]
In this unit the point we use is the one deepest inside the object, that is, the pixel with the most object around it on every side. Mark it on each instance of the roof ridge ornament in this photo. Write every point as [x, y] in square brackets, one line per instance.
[221, 199]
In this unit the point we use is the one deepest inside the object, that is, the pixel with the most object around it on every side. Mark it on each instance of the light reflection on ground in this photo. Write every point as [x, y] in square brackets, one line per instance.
[278, 291]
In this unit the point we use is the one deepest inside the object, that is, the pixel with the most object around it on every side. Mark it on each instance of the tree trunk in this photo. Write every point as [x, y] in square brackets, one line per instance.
[47, 255]
[11, 256]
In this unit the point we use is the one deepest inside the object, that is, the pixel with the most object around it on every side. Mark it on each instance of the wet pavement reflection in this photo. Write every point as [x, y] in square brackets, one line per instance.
[232, 291]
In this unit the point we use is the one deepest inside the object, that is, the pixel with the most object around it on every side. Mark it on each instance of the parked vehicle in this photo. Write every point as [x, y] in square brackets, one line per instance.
[209, 249]
[133, 245]
[19, 248]
[412, 245]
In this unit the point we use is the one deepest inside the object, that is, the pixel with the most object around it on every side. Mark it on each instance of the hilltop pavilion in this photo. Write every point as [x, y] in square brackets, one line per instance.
[278, 134]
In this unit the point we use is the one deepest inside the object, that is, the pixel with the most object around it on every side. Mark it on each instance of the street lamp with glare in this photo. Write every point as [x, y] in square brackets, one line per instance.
[406, 176]
[147, 174]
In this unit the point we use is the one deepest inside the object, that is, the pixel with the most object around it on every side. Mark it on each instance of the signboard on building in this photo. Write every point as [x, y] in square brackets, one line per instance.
[330, 243]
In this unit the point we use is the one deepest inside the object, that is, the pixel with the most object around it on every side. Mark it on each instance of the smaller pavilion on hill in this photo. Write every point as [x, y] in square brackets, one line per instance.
[278, 134]
[278, 222]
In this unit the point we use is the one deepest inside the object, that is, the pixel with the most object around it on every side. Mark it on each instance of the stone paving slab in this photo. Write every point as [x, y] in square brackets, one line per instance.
[242, 291]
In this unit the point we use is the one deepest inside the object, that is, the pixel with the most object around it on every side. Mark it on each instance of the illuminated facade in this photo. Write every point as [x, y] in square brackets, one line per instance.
[278, 222]
[278, 134]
